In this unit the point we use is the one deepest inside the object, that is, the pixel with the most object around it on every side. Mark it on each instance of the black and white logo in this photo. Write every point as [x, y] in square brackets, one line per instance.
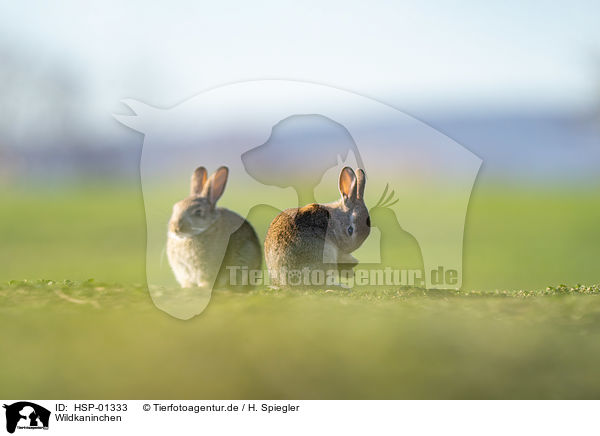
[26, 415]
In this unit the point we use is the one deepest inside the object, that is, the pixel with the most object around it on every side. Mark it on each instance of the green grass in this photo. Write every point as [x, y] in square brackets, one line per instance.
[93, 340]
[514, 238]
[506, 335]
[73, 233]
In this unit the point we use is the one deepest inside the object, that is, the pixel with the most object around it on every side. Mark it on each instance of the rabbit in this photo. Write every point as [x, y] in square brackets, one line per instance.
[319, 236]
[203, 240]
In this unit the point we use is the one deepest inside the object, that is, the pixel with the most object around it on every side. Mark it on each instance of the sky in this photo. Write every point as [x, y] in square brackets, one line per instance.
[414, 55]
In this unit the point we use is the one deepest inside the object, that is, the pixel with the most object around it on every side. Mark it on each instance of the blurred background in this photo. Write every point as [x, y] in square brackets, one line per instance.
[517, 84]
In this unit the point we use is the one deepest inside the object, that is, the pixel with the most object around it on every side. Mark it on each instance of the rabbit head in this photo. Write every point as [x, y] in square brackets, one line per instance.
[196, 213]
[350, 223]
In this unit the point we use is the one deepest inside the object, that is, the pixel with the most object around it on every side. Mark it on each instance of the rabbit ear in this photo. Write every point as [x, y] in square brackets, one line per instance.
[213, 189]
[198, 181]
[348, 184]
[361, 179]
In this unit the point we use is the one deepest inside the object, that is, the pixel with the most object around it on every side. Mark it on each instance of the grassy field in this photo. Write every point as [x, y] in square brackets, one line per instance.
[514, 238]
[93, 340]
[506, 335]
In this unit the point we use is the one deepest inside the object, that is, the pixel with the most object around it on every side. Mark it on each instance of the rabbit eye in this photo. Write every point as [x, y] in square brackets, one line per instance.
[350, 230]
[369, 221]
[199, 212]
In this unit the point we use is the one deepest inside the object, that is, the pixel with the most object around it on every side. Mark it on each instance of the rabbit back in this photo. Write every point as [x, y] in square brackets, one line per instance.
[242, 251]
[296, 239]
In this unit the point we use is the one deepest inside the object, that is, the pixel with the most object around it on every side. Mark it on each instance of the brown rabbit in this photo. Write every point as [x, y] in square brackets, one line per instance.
[203, 240]
[319, 236]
